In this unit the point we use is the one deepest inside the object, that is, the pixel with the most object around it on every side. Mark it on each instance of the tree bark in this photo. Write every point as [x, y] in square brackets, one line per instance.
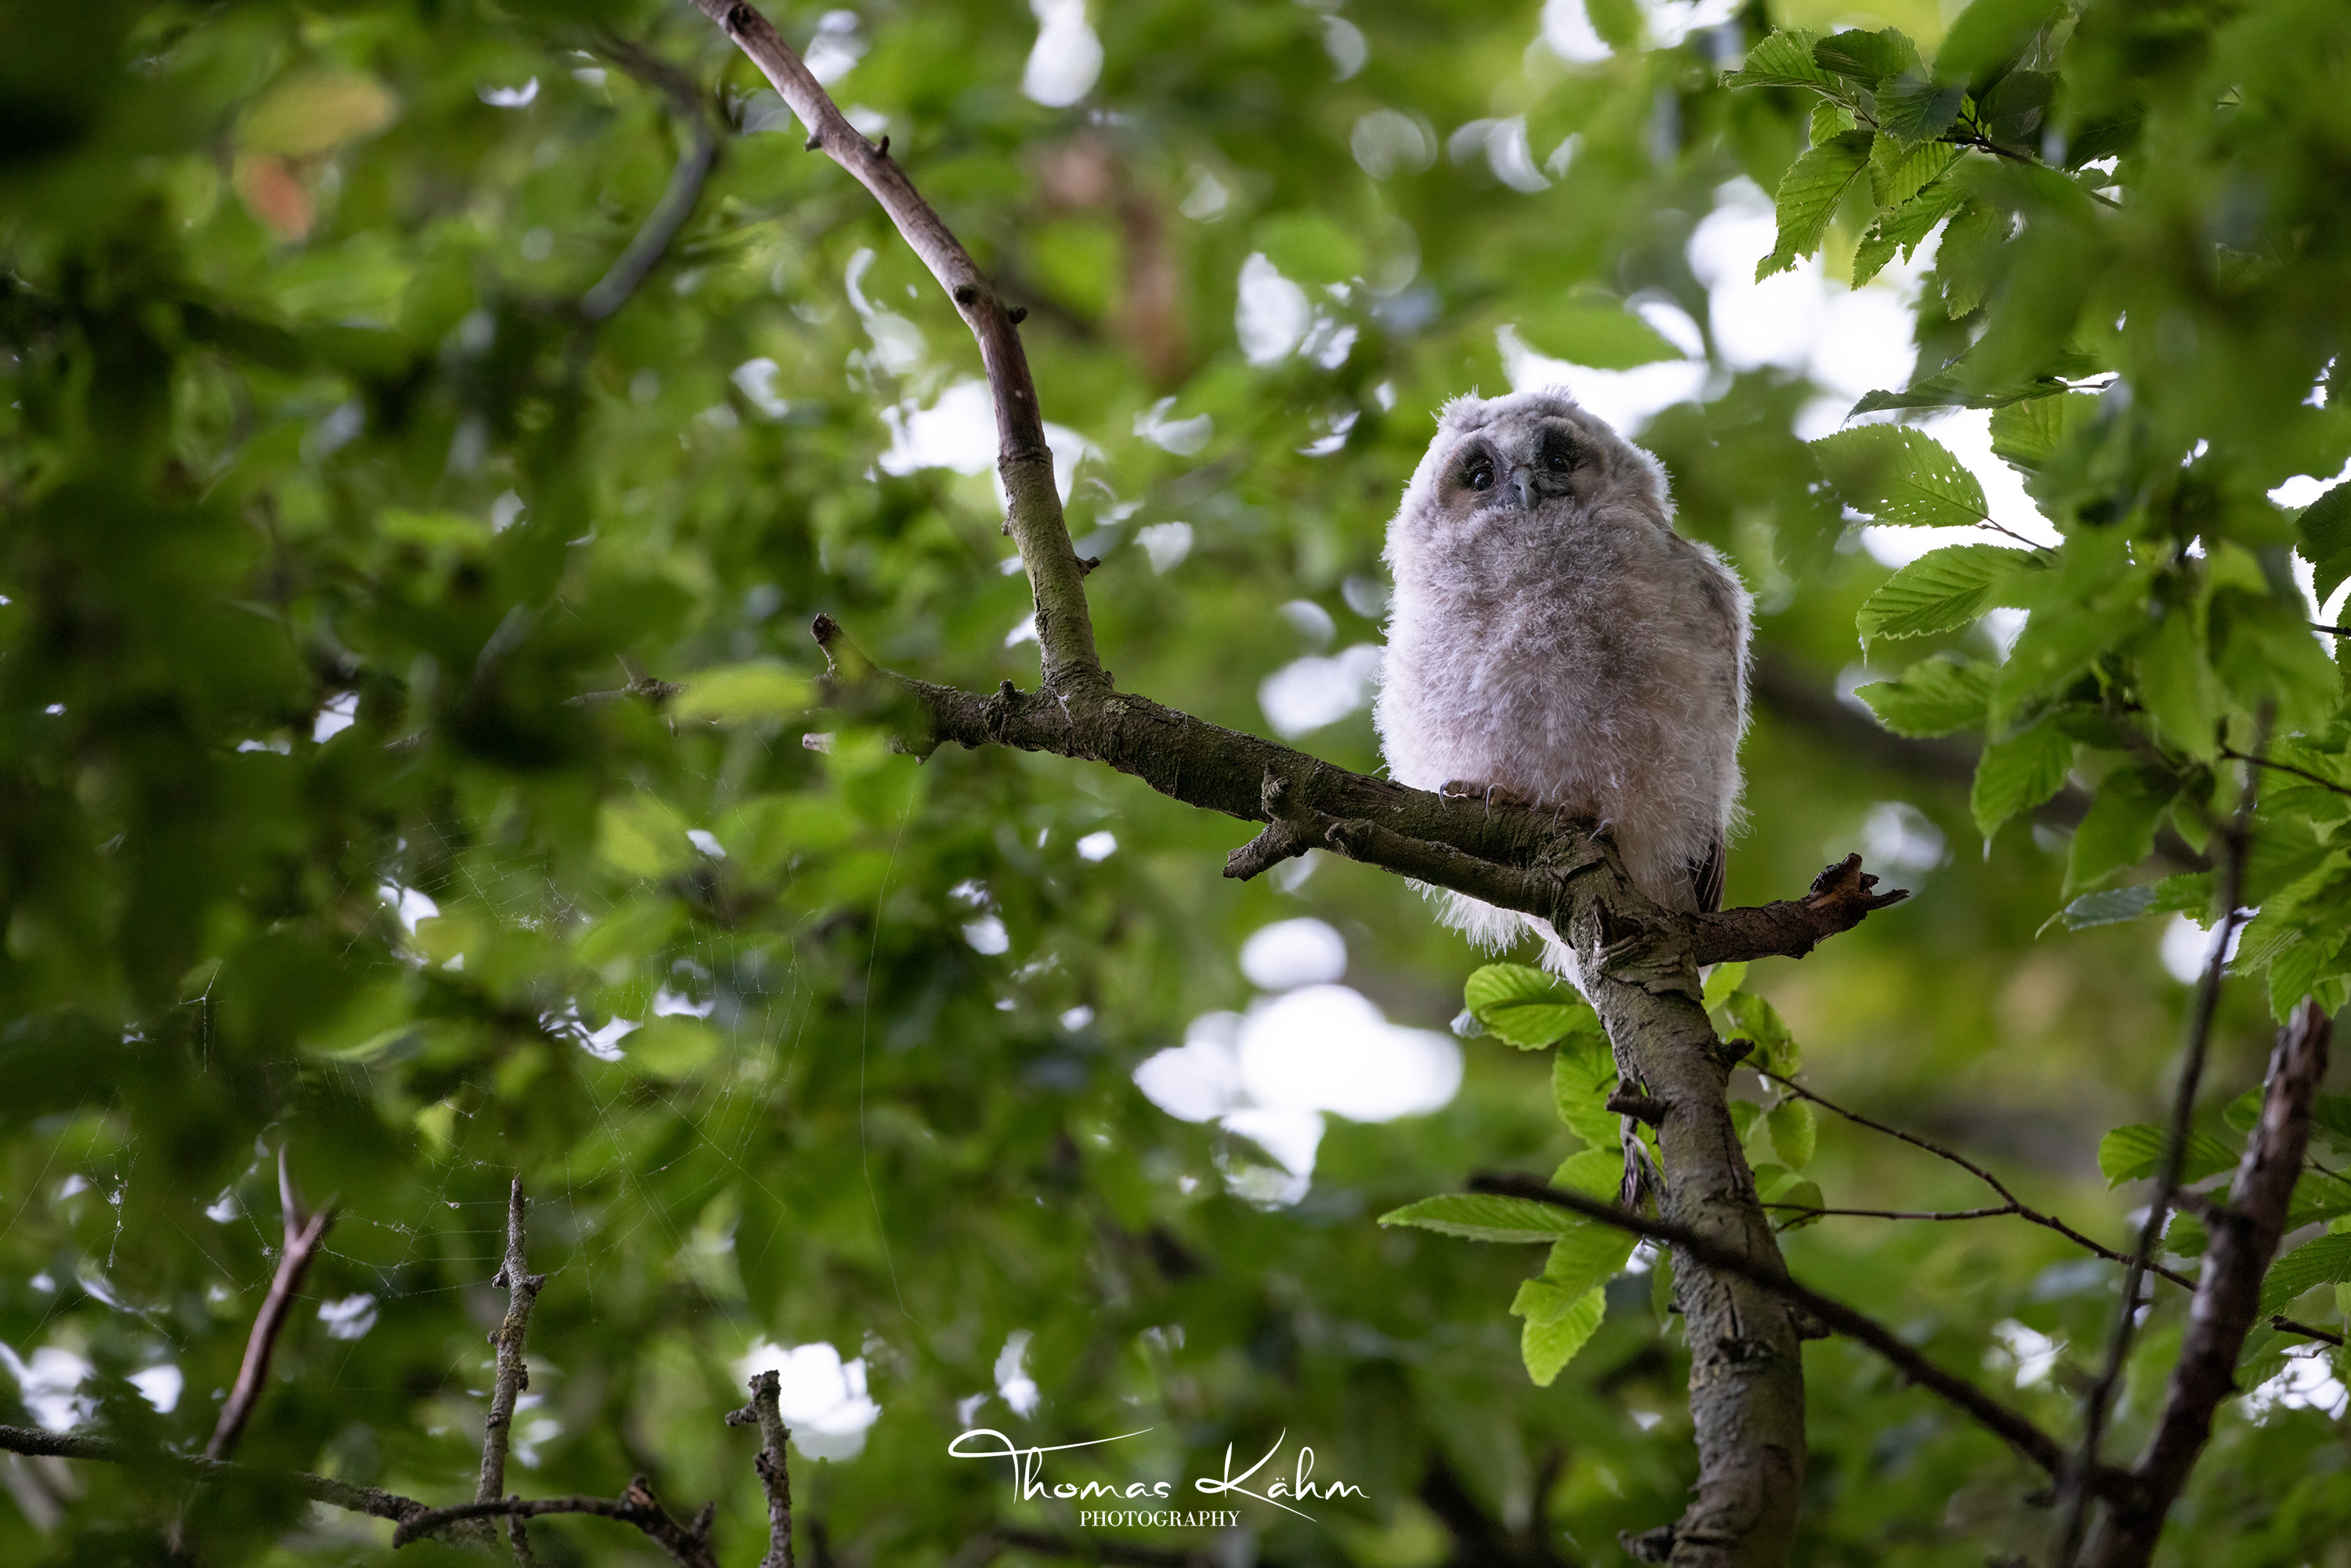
[1640, 962]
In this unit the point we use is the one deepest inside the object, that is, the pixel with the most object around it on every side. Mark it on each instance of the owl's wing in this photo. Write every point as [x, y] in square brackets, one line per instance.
[1706, 879]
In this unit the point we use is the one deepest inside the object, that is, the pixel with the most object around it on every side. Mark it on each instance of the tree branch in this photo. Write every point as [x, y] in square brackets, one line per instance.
[1065, 633]
[2235, 844]
[1639, 962]
[689, 1544]
[512, 1373]
[2014, 1205]
[2284, 1324]
[695, 162]
[775, 1476]
[303, 1235]
[2245, 1233]
[2015, 1428]
[1840, 898]
[1507, 855]
[374, 1501]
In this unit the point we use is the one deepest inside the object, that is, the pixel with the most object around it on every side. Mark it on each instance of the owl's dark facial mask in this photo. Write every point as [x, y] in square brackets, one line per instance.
[1481, 478]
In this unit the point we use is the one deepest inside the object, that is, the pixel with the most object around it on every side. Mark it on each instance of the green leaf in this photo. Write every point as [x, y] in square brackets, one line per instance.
[2014, 113]
[1595, 1173]
[1592, 1254]
[1830, 118]
[1603, 338]
[733, 694]
[1969, 258]
[2019, 774]
[1901, 478]
[2312, 1264]
[2331, 1116]
[2326, 528]
[1795, 1132]
[1914, 109]
[2136, 1153]
[1989, 35]
[2264, 652]
[1580, 1081]
[1485, 1216]
[1547, 1346]
[1898, 172]
[1936, 697]
[2119, 829]
[2317, 1197]
[1939, 591]
[1525, 1007]
[1775, 1048]
[1808, 198]
[2025, 434]
[2056, 645]
[1804, 1194]
[1724, 979]
[1903, 229]
[1867, 57]
[1781, 60]
[2110, 907]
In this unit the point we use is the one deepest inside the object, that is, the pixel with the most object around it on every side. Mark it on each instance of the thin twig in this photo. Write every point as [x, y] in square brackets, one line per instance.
[2004, 1209]
[2014, 1205]
[512, 1373]
[2235, 841]
[2018, 1430]
[2235, 756]
[689, 1544]
[2284, 1324]
[2245, 1232]
[695, 162]
[38, 1442]
[1065, 636]
[771, 1462]
[304, 1232]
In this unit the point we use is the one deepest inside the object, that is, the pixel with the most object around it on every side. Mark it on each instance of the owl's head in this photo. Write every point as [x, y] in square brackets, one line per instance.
[1496, 460]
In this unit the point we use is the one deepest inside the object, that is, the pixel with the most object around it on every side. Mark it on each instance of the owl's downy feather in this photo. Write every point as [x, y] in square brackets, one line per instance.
[1553, 636]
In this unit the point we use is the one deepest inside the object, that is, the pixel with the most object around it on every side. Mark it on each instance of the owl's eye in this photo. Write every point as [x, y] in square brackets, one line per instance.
[1559, 454]
[1478, 473]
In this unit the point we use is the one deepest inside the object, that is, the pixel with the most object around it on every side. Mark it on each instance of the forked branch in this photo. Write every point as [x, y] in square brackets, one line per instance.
[2018, 1430]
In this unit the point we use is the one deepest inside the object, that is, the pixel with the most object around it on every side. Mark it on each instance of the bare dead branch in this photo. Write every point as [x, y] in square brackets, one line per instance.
[771, 1462]
[2015, 1428]
[688, 1544]
[512, 1375]
[2245, 1233]
[2014, 1205]
[1033, 506]
[36, 1442]
[1839, 899]
[2234, 844]
[304, 1232]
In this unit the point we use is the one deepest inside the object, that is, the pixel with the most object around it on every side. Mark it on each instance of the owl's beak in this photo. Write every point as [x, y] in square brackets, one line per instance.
[1523, 477]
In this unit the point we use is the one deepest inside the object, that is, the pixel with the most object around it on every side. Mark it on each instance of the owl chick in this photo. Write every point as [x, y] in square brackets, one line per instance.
[1556, 642]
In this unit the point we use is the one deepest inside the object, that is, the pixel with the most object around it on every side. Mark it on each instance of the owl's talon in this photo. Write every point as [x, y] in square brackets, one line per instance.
[1492, 794]
[1605, 828]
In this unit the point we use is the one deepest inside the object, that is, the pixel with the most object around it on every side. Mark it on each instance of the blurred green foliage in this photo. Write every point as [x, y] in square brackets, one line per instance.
[324, 509]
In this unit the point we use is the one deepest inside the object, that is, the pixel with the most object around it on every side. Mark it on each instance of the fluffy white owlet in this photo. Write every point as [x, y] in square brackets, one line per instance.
[1554, 639]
